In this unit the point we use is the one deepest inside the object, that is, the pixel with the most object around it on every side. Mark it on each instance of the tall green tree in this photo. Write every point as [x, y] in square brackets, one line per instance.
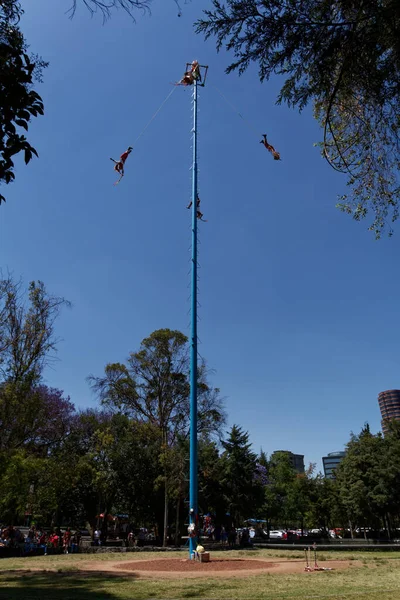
[243, 491]
[326, 510]
[34, 426]
[365, 488]
[343, 57]
[212, 497]
[279, 504]
[154, 387]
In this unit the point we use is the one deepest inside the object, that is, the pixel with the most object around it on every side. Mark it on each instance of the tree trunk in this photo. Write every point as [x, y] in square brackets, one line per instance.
[178, 504]
[165, 536]
[351, 530]
[387, 524]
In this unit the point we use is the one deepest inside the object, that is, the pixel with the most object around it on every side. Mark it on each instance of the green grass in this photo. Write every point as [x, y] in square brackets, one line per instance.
[374, 577]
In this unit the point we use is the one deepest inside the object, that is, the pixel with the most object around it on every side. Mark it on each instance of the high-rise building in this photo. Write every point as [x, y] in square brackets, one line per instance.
[389, 404]
[331, 463]
[296, 460]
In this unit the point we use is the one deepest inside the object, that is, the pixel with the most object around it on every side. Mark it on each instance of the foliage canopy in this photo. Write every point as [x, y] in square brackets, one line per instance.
[344, 57]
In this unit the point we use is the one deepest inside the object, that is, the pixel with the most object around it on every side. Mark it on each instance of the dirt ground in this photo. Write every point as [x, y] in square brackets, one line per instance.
[165, 568]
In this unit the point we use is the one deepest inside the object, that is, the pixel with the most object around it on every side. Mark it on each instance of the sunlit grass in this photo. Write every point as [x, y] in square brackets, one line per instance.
[375, 576]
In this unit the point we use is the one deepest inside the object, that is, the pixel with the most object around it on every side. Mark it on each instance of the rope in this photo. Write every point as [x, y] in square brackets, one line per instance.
[154, 116]
[233, 107]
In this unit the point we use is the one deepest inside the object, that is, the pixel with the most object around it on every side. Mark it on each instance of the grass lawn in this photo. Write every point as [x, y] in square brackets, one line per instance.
[376, 577]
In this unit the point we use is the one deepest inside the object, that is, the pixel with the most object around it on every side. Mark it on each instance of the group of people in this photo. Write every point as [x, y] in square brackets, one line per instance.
[127, 533]
[229, 535]
[190, 76]
[12, 537]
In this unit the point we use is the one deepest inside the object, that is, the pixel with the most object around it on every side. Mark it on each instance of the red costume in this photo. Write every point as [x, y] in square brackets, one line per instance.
[124, 156]
[119, 164]
[270, 148]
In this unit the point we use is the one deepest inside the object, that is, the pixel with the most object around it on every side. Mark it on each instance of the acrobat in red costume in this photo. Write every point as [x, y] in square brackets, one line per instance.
[270, 148]
[119, 164]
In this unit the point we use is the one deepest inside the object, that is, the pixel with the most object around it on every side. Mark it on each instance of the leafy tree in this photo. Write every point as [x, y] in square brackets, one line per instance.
[106, 7]
[365, 487]
[278, 501]
[121, 456]
[263, 459]
[326, 509]
[34, 418]
[343, 56]
[154, 387]
[107, 463]
[26, 330]
[241, 488]
[135, 462]
[35, 422]
[212, 497]
[300, 496]
[18, 101]
[18, 471]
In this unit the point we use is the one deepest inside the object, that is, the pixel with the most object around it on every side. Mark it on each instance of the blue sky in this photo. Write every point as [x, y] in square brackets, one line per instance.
[298, 303]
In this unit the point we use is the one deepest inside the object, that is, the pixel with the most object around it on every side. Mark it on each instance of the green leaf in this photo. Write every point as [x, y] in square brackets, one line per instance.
[22, 123]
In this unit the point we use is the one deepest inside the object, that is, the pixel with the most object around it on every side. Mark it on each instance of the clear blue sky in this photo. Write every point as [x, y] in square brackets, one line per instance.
[299, 304]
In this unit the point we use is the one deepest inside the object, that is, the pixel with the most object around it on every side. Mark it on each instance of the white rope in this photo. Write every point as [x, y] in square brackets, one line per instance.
[233, 107]
[154, 116]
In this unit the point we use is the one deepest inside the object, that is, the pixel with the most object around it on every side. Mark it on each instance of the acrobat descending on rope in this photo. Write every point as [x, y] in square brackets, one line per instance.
[198, 211]
[270, 148]
[119, 164]
[191, 75]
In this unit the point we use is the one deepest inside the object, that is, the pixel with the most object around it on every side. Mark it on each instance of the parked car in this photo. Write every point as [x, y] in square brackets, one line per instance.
[276, 534]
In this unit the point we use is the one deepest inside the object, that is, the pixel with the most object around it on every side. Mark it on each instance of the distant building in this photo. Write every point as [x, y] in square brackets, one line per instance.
[296, 460]
[389, 404]
[331, 463]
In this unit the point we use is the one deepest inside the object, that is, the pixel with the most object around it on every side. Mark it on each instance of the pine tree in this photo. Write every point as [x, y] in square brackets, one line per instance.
[244, 493]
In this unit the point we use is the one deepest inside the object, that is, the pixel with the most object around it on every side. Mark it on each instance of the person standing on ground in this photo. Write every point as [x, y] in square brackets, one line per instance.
[67, 540]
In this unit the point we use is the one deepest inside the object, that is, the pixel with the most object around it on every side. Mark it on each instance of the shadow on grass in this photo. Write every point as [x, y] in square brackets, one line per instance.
[68, 585]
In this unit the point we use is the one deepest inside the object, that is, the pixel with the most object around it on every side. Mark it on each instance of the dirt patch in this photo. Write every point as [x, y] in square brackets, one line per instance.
[180, 568]
[217, 567]
[185, 565]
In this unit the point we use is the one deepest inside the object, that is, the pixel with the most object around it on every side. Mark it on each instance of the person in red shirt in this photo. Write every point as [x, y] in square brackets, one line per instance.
[119, 164]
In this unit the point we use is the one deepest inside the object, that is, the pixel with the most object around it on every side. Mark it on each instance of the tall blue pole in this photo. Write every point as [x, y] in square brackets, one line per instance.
[193, 510]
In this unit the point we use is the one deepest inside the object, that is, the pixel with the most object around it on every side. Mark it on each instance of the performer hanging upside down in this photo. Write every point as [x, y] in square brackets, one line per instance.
[270, 148]
[119, 164]
[198, 212]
